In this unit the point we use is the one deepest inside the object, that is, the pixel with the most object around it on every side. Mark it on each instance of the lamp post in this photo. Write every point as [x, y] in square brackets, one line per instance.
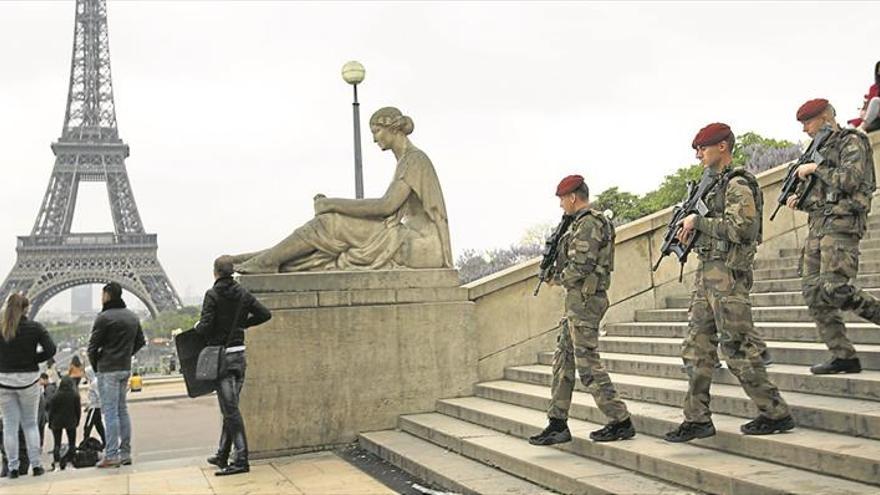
[353, 73]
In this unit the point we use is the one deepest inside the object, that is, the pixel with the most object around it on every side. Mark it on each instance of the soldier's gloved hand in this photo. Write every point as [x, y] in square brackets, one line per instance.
[806, 169]
[791, 202]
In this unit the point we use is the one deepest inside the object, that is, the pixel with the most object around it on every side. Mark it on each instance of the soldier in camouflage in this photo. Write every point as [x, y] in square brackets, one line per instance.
[583, 267]
[837, 208]
[720, 311]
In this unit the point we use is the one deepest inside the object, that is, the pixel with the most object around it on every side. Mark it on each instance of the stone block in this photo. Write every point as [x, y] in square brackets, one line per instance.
[317, 376]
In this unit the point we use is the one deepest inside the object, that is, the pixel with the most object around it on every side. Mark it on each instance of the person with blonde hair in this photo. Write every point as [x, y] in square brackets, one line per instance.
[24, 344]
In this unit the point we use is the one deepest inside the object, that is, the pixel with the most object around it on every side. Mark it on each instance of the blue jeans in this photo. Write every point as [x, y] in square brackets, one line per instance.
[19, 408]
[113, 386]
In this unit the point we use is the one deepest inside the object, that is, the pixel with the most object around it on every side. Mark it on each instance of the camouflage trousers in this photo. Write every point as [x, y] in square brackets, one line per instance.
[720, 317]
[577, 348]
[830, 266]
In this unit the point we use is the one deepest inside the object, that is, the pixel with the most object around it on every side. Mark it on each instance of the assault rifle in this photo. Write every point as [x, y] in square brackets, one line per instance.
[693, 203]
[792, 181]
[551, 248]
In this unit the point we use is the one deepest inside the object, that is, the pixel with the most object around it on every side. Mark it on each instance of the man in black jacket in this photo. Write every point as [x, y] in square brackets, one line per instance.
[116, 337]
[227, 311]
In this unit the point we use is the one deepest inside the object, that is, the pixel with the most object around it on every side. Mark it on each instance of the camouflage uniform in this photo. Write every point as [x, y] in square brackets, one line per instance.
[584, 268]
[838, 208]
[720, 311]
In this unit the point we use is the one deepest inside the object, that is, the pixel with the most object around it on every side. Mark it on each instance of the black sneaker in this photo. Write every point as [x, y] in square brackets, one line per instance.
[837, 365]
[556, 432]
[38, 471]
[762, 425]
[13, 473]
[688, 431]
[621, 430]
[218, 460]
[233, 469]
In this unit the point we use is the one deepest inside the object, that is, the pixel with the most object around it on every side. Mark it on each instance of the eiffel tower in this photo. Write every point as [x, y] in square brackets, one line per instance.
[52, 258]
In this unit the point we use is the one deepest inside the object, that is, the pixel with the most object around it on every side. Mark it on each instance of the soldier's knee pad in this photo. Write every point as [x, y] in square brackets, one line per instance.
[837, 295]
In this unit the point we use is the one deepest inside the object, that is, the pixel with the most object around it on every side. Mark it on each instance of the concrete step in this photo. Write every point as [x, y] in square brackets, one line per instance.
[859, 333]
[864, 385]
[866, 261]
[803, 353]
[762, 314]
[693, 466]
[854, 417]
[790, 298]
[871, 235]
[857, 459]
[866, 267]
[793, 283]
[442, 467]
[562, 471]
[869, 249]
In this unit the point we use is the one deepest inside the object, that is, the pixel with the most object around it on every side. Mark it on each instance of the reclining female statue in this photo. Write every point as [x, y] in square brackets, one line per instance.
[405, 228]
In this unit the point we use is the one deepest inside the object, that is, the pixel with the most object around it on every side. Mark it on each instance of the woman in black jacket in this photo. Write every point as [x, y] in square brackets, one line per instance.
[20, 340]
[64, 414]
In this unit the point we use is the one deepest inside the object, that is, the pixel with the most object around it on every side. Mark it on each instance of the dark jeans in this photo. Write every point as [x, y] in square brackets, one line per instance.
[228, 391]
[71, 445]
[93, 419]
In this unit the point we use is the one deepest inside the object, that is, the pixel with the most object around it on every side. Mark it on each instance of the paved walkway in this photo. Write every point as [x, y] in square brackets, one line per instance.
[320, 473]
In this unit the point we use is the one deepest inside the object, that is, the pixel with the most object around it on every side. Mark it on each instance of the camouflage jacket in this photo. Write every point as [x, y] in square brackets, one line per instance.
[841, 198]
[731, 230]
[586, 253]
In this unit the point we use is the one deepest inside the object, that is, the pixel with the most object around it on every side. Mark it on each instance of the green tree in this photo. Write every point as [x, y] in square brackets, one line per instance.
[625, 205]
[166, 321]
[671, 190]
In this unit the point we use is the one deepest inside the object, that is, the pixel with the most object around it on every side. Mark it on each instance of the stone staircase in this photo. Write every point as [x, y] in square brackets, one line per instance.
[478, 444]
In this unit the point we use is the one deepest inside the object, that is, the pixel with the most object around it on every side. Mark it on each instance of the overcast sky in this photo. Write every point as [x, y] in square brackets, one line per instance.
[237, 115]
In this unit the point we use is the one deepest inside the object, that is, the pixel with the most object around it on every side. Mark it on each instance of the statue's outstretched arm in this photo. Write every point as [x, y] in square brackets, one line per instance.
[393, 199]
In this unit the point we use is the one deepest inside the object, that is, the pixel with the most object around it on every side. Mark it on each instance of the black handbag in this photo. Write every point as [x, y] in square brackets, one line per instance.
[212, 359]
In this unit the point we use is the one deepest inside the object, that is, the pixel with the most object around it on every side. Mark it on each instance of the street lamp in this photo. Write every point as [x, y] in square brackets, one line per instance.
[353, 73]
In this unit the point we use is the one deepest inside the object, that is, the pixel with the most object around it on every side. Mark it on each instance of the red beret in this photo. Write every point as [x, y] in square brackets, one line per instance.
[711, 134]
[811, 109]
[569, 184]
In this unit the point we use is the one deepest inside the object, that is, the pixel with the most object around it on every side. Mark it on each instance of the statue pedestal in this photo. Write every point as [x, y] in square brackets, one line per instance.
[347, 352]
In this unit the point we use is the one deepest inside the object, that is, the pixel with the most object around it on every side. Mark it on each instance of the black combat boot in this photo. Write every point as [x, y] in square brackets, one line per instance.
[762, 425]
[620, 430]
[555, 432]
[688, 431]
[837, 365]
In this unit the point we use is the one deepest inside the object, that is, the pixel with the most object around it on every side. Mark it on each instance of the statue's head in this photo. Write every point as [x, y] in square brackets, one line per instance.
[388, 125]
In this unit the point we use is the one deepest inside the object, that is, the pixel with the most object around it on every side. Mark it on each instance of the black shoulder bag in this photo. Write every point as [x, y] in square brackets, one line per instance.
[212, 358]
